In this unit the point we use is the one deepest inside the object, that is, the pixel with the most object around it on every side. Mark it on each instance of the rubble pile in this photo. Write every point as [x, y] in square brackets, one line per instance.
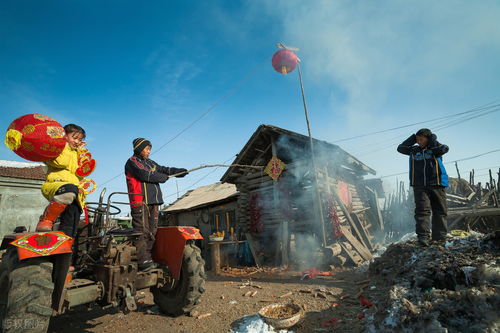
[450, 288]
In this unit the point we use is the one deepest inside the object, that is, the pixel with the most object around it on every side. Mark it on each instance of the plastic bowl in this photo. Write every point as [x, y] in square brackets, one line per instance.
[216, 239]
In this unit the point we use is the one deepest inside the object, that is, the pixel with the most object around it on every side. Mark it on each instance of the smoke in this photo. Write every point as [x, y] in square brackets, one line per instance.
[372, 50]
[297, 201]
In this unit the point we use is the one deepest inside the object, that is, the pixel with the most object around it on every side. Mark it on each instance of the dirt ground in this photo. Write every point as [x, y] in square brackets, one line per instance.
[329, 302]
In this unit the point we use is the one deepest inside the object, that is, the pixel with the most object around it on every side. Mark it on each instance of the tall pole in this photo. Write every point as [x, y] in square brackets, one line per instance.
[313, 158]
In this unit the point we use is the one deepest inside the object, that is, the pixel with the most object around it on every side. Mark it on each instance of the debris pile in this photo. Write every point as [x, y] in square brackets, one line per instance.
[438, 288]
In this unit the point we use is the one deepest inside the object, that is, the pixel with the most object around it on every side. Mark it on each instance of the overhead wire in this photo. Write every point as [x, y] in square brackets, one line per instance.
[449, 162]
[229, 93]
[476, 109]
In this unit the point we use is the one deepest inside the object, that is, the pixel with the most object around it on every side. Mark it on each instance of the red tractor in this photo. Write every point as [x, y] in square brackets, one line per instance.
[36, 281]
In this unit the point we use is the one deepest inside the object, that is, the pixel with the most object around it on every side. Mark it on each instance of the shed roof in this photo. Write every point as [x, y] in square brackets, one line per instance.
[23, 170]
[259, 143]
[204, 196]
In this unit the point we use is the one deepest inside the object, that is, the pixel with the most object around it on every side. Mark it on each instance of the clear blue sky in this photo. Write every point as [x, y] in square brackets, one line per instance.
[124, 69]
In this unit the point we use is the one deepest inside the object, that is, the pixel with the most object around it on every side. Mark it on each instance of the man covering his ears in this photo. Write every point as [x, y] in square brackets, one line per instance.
[429, 180]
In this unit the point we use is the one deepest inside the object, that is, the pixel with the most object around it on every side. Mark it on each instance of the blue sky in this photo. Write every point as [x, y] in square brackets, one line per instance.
[124, 69]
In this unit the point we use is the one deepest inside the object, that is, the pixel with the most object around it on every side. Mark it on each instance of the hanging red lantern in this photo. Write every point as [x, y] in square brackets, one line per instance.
[284, 61]
[35, 137]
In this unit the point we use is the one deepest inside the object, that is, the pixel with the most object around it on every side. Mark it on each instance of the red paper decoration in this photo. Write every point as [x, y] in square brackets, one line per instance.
[35, 137]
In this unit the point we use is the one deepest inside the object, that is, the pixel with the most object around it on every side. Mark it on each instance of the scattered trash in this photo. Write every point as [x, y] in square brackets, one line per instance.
[467, 272]
[313, 273]
[320, 295]
[286, 295]
[361, 316]
[154, 310]
[365, 302]
[330, 322]
[233, 302]
[205, 315]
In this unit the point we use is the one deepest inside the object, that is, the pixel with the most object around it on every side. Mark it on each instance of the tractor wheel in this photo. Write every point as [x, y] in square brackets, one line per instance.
[26, 294]
[186, 292]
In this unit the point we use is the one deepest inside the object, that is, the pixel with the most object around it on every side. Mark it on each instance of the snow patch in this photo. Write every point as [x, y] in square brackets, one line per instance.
[15, 164]
[254, 324]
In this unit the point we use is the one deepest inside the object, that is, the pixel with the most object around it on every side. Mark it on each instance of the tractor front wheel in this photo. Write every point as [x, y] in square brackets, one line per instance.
[25, 293]
[186, 292]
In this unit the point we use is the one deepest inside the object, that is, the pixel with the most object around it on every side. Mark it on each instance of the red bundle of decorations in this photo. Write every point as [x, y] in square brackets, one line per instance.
[35, 137]
[334, 218]
[256, 226]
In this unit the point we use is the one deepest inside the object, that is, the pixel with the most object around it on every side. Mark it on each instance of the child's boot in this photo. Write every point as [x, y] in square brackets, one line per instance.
[51, 213]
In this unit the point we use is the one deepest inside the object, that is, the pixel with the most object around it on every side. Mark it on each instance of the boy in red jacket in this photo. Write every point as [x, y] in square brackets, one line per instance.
[143, 181]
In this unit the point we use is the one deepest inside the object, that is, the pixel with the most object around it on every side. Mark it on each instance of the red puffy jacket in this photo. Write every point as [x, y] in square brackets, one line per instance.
[143, 180]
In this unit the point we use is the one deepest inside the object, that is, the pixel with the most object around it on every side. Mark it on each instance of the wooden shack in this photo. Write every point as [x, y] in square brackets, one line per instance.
[322, 195]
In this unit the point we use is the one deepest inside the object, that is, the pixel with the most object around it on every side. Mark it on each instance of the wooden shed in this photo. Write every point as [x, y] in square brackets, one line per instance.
[322, 195]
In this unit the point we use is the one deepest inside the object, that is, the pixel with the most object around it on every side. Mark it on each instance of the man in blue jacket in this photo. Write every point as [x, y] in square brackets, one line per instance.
[429, 180]
[143, 181]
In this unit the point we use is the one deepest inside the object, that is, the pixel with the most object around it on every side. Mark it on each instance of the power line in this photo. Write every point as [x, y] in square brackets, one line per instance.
[449, 162]
[477, 109]
[230, 92]
[390, 143]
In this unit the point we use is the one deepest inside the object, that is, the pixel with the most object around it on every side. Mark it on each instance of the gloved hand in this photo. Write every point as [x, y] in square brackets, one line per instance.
[181, 170]
[432, 141]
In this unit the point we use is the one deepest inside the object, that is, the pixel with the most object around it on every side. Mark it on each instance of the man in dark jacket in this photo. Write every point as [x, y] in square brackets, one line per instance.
[143, 181]
[429, 180]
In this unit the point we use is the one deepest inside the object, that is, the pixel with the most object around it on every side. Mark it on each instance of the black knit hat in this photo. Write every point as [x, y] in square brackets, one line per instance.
[424, 132]
[139, 144]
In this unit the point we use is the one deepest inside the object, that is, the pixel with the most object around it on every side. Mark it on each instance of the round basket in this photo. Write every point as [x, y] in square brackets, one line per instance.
[292, 313]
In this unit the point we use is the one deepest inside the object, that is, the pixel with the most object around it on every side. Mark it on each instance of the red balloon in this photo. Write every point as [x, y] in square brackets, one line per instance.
[35, 137]
[284, 61]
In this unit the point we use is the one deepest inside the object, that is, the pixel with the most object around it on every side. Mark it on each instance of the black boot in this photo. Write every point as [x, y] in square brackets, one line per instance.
[424, 242]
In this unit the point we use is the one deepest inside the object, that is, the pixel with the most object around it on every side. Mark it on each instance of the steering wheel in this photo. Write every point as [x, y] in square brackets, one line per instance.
[92, 208]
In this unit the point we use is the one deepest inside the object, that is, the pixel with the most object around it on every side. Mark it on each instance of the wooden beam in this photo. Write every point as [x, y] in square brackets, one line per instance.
[362, 250]
[251, 245]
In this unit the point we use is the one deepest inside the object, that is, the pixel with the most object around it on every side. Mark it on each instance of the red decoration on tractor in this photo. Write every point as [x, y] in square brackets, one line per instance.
[284, 61]
[35, 137]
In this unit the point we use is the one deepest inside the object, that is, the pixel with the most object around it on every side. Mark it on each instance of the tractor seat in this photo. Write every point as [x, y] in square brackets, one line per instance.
[123, 232]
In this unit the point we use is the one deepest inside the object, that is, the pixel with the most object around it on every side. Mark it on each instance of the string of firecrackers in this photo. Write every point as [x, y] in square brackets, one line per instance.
[275, 168]
[41, 243]
[334, 218]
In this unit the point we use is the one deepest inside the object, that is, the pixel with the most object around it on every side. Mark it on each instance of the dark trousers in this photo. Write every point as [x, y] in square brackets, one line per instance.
[430, 200]
[70, 218]
[145, 221]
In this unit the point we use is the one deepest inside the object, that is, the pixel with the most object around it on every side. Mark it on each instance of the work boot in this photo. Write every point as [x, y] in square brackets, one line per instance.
[424, 242]
[51, 213]
[439, 242]
[147, 265]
